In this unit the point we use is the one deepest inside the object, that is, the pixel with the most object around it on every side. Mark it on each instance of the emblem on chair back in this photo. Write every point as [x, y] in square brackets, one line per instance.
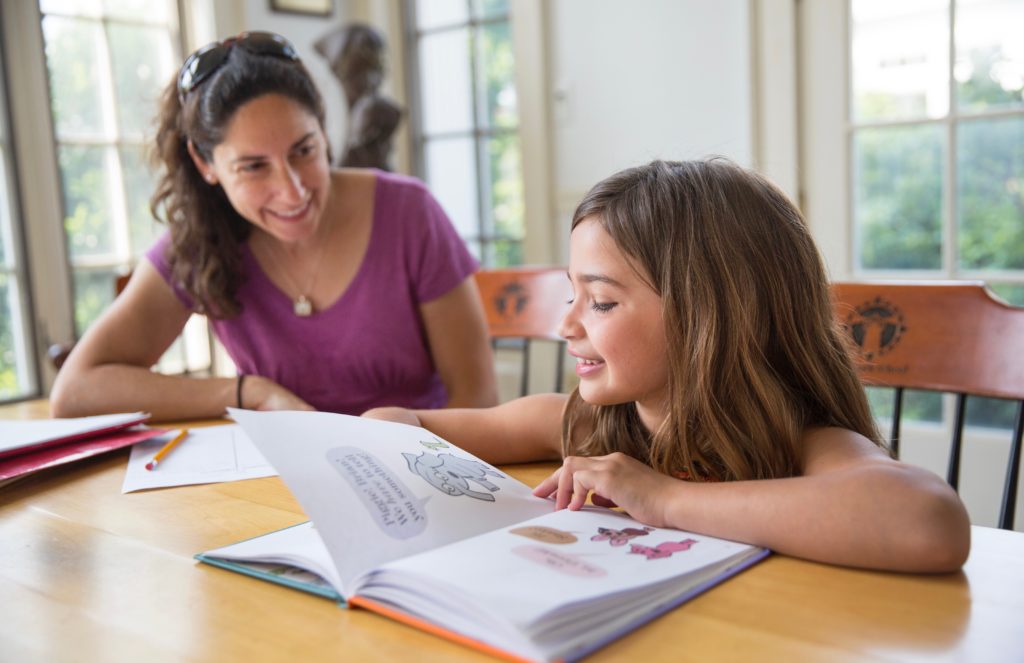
[876, 326]
[511, 300]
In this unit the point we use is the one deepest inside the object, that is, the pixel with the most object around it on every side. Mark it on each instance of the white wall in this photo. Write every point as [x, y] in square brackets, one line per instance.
[636, 81]
[302, 31]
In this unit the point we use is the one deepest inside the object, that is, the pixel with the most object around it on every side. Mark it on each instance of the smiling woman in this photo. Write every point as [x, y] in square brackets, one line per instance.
[288, 258]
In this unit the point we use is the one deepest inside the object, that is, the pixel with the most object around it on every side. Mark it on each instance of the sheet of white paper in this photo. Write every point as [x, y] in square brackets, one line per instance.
[27, 433]
[207, 455]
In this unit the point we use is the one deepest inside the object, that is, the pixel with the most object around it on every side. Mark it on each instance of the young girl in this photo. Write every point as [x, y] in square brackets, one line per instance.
[716, 394]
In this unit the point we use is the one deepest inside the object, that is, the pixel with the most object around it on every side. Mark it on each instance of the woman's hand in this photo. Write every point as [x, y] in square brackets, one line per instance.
[614, 480]
[260, 393]
[399, 414]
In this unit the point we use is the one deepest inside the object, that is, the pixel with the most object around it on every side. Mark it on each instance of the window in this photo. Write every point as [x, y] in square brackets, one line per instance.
[465, 121]
[108, 62]
[17, 370]
[936, 131]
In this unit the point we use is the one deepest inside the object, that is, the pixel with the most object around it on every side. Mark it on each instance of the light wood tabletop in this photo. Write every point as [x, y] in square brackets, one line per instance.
[90, 574]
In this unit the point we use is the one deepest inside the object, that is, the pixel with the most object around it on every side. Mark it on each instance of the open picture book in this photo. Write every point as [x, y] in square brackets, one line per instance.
[408, 525]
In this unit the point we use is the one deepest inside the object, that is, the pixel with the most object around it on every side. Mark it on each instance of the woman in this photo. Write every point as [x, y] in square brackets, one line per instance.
[331, 289]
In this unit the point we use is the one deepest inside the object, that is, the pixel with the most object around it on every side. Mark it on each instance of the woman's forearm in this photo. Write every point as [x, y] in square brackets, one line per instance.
[124, 388]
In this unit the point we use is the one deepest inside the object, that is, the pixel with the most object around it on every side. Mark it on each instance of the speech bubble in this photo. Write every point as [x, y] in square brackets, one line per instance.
[545, 534]
[390, 503]
[566, 563]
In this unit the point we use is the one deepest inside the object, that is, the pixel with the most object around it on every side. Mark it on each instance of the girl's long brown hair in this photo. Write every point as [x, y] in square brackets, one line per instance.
[206, 231]
[755, 356]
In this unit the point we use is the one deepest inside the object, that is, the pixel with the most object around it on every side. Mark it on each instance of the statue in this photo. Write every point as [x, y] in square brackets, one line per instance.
[356, 55]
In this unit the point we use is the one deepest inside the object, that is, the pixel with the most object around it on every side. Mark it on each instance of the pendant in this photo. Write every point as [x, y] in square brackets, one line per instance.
[303, 307]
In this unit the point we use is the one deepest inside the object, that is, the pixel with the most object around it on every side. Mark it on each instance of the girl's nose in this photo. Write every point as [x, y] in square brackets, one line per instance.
[568, 327]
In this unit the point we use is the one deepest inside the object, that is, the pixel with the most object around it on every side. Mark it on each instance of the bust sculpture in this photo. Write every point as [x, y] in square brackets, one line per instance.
[356, 55]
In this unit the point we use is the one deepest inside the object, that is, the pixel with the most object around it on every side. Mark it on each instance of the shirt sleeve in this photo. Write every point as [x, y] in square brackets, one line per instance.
[440, 259]
[157, 256]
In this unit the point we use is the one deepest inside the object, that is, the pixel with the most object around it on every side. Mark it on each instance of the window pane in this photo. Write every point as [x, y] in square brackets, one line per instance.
[71, 7]
[434, 13]
[139, 183]
[447, 96]
[94, 290]
[917, 406]
[5, 212]
[451, 176]
[86, 176]
[138, 10]
[506, 185]
[989, 54]
[899, 59]
[141, 60]
[79, 84]
[898, 196]
[990, 193]
[991, 412]
[1011, 293]
[8, 358]
[489, 8]
[498, 72]
[506, 253]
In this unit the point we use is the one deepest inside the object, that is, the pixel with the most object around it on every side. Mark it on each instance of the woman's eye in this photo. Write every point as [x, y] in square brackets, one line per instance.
[252, 167]
[603, 307]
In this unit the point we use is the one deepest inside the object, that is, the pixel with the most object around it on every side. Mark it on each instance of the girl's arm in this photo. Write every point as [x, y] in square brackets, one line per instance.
[459, 345]
[853, 506]
[524, 430]
[109, 368]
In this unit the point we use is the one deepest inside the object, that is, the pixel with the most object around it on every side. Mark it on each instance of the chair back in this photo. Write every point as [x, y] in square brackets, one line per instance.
[952, 337]
[524, 305]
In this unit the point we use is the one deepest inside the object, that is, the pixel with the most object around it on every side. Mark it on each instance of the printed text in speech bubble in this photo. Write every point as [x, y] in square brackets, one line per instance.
[384, 496]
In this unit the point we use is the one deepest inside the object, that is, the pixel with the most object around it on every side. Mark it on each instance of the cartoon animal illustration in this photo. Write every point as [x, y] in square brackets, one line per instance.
[661, 550]
[619, 537]
[452, 475]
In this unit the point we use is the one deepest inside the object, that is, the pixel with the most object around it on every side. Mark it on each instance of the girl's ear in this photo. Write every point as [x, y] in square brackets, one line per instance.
[201, 165]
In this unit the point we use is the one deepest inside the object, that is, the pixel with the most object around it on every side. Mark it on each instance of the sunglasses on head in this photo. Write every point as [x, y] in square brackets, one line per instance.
[208, 59]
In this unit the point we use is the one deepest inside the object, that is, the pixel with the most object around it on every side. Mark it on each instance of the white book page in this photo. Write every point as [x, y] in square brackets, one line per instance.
[527, 570]
[207, 455]
[299, 546]
[27, 433]
[379, 491]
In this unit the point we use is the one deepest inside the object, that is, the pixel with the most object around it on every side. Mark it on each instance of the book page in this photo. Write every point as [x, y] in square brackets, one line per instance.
[379, 491]
[299, 548]
[549, 586]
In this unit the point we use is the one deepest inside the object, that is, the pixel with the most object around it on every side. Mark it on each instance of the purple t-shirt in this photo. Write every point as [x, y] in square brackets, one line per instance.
[369, 348]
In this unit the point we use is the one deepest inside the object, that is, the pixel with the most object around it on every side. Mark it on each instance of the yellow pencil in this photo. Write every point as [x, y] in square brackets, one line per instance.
[151, 465]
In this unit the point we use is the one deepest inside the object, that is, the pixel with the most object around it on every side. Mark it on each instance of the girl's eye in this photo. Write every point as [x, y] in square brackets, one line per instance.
[603, 308]
[252, 167]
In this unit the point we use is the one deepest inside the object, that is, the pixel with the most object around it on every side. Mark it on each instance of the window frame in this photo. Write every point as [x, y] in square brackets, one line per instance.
[486, 236]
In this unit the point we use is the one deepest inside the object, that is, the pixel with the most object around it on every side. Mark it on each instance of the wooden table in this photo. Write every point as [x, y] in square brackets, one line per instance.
[89, 574]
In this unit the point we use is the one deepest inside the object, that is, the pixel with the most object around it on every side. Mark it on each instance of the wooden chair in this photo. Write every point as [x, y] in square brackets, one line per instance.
[950, 337]
[524, 305]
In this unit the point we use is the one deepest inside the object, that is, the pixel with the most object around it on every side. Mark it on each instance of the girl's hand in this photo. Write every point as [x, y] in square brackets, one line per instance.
[260, 393]
[399, 414]
[614, 480]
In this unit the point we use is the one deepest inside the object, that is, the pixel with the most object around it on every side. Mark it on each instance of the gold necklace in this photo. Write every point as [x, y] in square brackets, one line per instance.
[302, 306]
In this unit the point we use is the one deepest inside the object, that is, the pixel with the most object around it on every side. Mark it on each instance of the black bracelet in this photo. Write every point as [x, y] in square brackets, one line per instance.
[238, 390]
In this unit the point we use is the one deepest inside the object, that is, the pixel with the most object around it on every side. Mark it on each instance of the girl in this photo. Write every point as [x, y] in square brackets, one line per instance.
[716, 394]
[337, 290]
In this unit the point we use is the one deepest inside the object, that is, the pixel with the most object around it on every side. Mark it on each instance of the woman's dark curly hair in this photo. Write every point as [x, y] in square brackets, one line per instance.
[206, 231]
